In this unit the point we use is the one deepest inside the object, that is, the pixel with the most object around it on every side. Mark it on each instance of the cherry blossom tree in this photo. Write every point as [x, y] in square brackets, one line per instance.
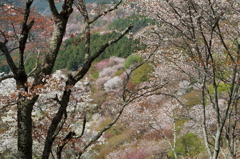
[27, 94]
[201, 40]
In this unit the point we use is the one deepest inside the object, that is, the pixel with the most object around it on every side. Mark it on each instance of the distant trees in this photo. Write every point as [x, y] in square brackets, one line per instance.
[11, 30]
[139, 22]
[142, 74]
[132, 60]
[122, 49]
[200, 39]
[44, 114]
[193, 41]
[17, 36]
[188, 146]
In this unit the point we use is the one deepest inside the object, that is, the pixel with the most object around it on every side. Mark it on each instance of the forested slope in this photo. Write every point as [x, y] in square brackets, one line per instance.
[71, 54]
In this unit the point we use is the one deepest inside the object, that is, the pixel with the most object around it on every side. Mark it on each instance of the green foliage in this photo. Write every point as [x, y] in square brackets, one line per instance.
[100, 23]
[132, 60]
[72, 54]
[222, 88]
[188, 145]
[114, 138]
[141, 74]
[192, 98]
[112, 144]
[119, 72]
[103, 124]
[118, 140]
[30, 64]
[179, 124]
[95, 75]
[138, 22]
[71, 57]
[74, 62]
[93, 71]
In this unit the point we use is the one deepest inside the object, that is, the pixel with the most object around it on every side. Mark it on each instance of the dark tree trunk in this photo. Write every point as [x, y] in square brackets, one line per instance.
[55, 125]
[24, 116]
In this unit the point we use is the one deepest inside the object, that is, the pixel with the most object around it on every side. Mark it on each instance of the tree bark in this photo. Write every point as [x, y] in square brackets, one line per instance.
[24, 116]
[55, 125]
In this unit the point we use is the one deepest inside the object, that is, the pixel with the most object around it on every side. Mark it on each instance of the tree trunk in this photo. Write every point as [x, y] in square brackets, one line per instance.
[25, 127]
[217, 144]
[55, 125]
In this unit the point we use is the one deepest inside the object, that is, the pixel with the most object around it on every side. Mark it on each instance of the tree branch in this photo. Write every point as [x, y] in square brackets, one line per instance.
[53, 8]
[83, 10]
[87, 64]
[37, 64]
[105, 12]
[99, 134]
[5, 38]
[6, 77]
[9, 59]
[70, 136]
[62, 143]
[24, 33]
[60, 23]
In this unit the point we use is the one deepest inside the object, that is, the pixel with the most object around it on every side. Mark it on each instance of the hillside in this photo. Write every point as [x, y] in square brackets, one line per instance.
[137, 79]
[103, 31]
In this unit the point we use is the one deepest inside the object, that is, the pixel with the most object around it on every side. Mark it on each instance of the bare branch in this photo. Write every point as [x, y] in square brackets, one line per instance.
[25, 33]
[99, 134]
[53, 8]
[70, 135]
[105, 12]
[5, 38]
[37, 64]
[125, 101]
[6, 77]
[162, 133]
[62, 143]
[83, 128]
[87, 64]
[9, 59]
[83, 10]
[15, 33]
[56, 124]
[13, 49]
